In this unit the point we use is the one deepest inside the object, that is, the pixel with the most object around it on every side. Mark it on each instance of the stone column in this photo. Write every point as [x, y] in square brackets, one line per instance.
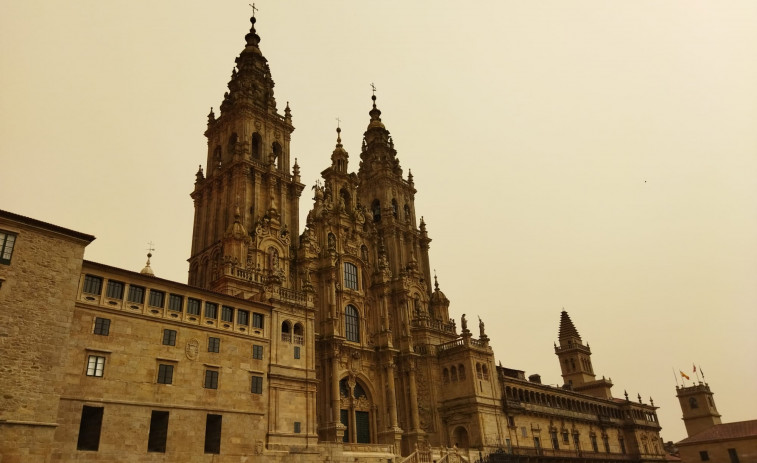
[392, 394]
[413, 397]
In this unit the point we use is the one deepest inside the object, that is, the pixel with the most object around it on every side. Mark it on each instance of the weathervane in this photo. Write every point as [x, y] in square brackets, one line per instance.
[253, 9]
[374, 89]
[150, 246]
[338, 122]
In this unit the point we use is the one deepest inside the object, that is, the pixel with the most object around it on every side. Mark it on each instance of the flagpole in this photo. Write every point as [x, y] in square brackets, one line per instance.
[675, 375]
[700, 369]
[696, 372]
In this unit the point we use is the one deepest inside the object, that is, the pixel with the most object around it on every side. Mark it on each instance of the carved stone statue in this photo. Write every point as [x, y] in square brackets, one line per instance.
[464, 323]
[481, 328]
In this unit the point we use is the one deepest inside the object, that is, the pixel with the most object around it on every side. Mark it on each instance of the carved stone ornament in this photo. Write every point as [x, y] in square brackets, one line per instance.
[193, 349]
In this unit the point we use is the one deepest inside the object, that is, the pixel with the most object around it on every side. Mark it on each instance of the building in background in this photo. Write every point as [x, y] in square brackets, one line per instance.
[709, 439]
[331, 342]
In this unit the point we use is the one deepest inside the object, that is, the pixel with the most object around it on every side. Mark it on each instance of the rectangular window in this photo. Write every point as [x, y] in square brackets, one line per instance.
[733, 455]
[350, 276]
[509, 446]
[95, 365]
[169, 337]
[115, 290]
[175, 302]
[537, 443]
[193, 306]
[555, 441]
[214, 344]
[227, 314]
[213, 434]
[523, 431]
[243, 317]
[165, 374]
[565, 438]
[211, 379]
[594, 443]
[7, 241]
[211, 310]
[89, 428]
[257, 385]
[606, 442]
[704, 456]
[136, 294]
[257, 352]
[156, 441]
[102, 326]
[257, 320]
[297, 427]
[157, 298]
[296, 352]
[511, 421]
[92, 284]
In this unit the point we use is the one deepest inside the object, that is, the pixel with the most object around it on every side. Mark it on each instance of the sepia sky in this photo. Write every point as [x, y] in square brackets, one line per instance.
[592, 155]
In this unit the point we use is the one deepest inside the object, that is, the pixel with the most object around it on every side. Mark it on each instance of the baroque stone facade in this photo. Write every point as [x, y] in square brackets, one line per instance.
[331, 343]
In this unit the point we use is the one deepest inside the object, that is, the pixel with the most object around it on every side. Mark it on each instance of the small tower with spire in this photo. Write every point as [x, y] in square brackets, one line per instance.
[575, 361]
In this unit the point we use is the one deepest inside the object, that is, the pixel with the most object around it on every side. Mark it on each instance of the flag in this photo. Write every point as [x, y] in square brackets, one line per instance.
[695, 367]
[684, 375]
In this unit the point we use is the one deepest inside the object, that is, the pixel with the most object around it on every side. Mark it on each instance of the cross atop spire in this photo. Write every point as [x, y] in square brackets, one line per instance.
[254, 9]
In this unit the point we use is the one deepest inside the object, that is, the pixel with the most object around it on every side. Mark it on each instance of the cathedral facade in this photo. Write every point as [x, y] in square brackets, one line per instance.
[334, 342]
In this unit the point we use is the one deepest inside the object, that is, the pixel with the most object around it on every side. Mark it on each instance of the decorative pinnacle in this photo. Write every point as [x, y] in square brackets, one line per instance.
[436, 282]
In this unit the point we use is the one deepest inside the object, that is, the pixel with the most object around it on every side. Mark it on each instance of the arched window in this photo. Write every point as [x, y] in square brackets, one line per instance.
[359, 391]
[346, 198]
[693, 402]
[277, 154]
[257, 147]
[352, 324]
[350, 276]
[286, 331]
[485, 371]
[407, 213]
[232, 144]
[376, 210]
[461, 372]
[479, 374]
[298, 334]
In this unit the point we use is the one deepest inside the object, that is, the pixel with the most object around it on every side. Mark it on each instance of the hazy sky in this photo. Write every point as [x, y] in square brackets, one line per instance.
[593, 155]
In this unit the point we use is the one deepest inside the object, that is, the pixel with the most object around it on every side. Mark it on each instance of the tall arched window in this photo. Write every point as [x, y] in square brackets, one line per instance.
[376, 210]
[352, 324]
[257, 147]
[461, 372]
[232, 144]
[394, 208]
[277, 154]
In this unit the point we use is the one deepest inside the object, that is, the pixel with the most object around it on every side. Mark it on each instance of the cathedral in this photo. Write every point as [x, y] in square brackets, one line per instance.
[327, 342]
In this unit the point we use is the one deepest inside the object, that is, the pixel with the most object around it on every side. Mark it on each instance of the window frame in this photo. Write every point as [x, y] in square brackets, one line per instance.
[90, 428]
[6, 250]
[243, 317]
[194, 306]
[136, 290]
[114, 286]
[95, 366]
[102, 326]
[227, 314]
[257, 320]
[89, 281]
[211, 310]
[351, 276]
[211, 379]
[165, 373]
[257, 352]
[256, 386]
[169, 337]
[157, 298]
[158, 434]
[214, 344]
[171, 302]
[351, 323]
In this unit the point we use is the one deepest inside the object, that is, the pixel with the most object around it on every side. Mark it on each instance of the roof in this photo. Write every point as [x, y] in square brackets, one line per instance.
[567, 329]
[46, 226]
[725, 431]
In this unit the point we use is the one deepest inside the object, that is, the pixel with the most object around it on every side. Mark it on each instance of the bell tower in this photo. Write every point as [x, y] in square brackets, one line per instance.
[698, 407]
[246, 199]
[575, 361]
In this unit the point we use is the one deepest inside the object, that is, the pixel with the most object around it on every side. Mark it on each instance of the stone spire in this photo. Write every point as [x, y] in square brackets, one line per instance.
[339, 158]
[251, 84]
[378, 154]
[567, 329]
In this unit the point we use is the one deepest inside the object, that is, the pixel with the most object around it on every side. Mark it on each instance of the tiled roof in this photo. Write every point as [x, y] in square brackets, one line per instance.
[737, 430]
